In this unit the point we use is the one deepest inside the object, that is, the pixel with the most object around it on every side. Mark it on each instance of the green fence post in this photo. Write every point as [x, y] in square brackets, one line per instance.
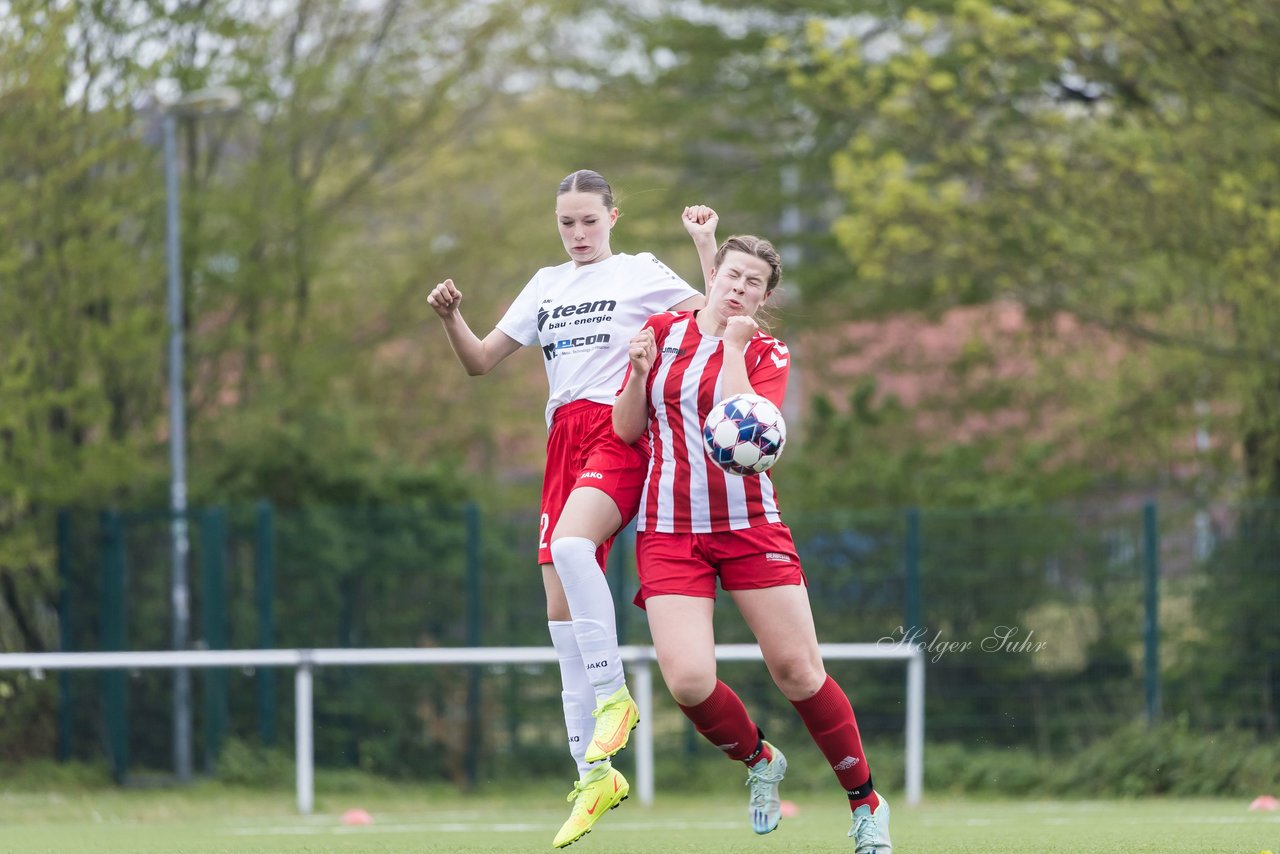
[617, 576]
[213, 620]
[911, 561]
[1151, 555]
[265, 580]
[115, 687]
[65, 722]
[473, 639]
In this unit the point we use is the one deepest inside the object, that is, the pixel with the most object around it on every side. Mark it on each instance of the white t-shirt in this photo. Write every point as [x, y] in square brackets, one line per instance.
[583, 319]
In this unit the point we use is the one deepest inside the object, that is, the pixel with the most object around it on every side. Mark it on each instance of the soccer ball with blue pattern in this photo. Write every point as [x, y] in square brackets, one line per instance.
[744, 434]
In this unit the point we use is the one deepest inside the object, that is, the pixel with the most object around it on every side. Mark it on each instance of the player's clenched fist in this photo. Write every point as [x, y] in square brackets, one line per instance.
[642, 351]
[444, 298]
[699, 219]
[739, 330]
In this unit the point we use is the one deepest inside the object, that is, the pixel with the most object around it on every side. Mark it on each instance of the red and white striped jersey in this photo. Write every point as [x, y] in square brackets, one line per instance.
[685, 492]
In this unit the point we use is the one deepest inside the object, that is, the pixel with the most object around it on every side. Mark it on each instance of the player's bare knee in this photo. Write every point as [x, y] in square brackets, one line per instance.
[689, 688]
[797, 678]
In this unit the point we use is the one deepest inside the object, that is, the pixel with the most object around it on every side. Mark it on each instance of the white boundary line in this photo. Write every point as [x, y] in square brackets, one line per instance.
[305, 660]
[456, 827]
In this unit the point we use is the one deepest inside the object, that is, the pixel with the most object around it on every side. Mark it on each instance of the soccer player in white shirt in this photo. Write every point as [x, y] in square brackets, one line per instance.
[698, 523]
[581, 314]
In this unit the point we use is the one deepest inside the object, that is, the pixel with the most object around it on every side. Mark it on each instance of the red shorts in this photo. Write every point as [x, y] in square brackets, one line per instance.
[688, 564]
[583, 450]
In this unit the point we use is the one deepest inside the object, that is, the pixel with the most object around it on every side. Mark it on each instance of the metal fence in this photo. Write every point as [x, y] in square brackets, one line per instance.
[1042, 629]
[639, 660]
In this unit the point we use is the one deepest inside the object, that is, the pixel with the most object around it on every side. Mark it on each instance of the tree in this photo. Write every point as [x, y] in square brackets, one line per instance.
[1113, 161]
[78, 308]
[697, 104]
[303, 253]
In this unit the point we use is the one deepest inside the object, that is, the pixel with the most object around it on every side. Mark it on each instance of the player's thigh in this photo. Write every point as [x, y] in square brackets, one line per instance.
[684, 641]
[589, 513]
[782, 622]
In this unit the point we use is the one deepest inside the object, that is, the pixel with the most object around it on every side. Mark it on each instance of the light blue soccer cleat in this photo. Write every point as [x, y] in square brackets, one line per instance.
[765, 807]
[870, 830]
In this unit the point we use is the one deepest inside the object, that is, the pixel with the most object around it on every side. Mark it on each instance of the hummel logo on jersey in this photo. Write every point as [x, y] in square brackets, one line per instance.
[779, 354]
[777, 556]
[846, 763]
[672, 351]
[665, 268]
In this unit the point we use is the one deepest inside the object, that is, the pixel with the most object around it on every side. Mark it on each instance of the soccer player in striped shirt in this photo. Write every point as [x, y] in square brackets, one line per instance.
[698, 523]
[581, 315]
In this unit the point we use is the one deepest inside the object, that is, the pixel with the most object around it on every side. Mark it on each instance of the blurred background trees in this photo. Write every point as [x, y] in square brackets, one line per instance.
[1111, 163]
[1078, 199]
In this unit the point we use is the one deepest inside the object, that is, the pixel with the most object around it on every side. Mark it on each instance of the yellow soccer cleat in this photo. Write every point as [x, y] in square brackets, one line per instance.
[595, 794]
[615, 718]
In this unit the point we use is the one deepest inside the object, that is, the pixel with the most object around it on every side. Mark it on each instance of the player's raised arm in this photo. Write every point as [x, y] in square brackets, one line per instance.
[701, 221]
[477, 356]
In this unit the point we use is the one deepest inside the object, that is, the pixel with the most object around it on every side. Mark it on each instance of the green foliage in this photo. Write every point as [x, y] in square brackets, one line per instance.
[67, 777]
[1228, 670]
[874, 453]
[1079, 159]
[26, 728]
[79, 314]
[1133, 761]
[710, 118]
[252, 766]
[302, 223]
[953, 768]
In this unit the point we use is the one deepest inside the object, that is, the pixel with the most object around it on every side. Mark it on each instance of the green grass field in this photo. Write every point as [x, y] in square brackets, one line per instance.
[208, 818]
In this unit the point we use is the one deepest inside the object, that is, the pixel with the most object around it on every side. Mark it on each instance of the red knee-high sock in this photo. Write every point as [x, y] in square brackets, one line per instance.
[724, 721]
[829, 718]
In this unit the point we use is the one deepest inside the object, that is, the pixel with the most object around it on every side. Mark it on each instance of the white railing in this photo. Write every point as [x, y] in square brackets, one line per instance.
[641, 659]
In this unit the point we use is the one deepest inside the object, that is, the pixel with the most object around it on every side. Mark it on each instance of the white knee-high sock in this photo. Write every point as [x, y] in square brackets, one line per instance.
[591, 605]
[577, 694]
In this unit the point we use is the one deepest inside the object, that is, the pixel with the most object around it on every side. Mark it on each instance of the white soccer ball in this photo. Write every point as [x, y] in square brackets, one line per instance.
[744, 434]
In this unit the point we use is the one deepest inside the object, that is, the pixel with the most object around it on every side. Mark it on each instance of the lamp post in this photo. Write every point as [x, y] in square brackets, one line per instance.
[201, 103]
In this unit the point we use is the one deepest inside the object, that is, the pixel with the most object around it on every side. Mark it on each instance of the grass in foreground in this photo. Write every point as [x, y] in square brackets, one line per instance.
[208, 818]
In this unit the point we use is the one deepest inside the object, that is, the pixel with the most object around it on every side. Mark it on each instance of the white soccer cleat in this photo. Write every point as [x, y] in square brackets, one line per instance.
[870, 830]
[765, 807]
